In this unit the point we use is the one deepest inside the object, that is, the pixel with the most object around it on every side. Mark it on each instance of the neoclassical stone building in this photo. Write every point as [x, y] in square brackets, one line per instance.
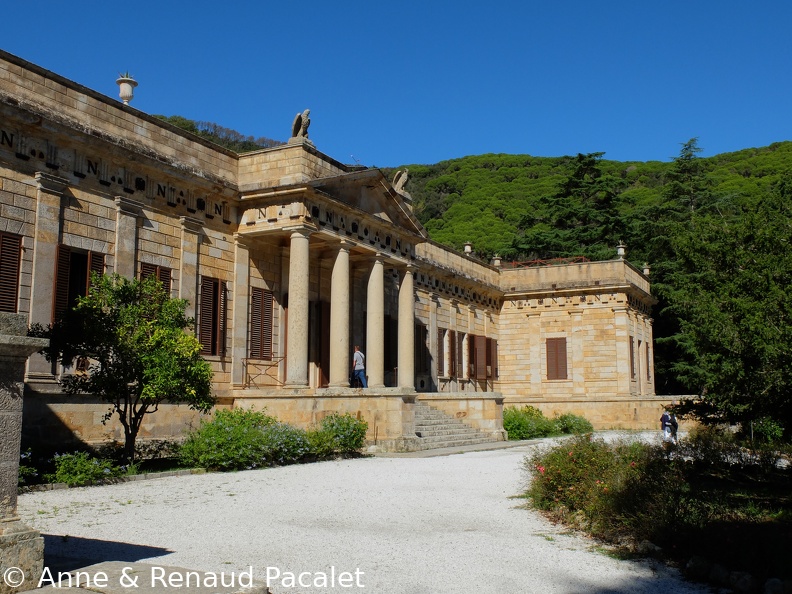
[288, 259]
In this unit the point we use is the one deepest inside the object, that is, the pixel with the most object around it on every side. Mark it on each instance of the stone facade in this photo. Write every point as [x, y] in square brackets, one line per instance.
[288, 259]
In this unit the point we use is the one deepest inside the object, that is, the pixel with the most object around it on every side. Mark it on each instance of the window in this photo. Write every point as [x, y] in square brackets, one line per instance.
[632, 358]
[556, 358]
[212, 324]
[72, 277]
[261, 324]
[648, 363]
[10, 253]
[161, 273]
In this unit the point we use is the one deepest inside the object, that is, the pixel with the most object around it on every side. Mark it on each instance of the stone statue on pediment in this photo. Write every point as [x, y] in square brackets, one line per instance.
[300, 128]
[400, 179]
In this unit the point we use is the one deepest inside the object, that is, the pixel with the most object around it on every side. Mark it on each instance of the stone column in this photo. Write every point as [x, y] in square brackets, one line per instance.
[407, 330]
[297, 342]
[340, 362]
[46, 236]
[127, 213]
[20, 546]
[188, 272]
[239, 324]
[375, 324]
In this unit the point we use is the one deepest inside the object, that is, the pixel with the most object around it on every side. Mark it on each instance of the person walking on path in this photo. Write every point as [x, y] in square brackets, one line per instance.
[359, 367]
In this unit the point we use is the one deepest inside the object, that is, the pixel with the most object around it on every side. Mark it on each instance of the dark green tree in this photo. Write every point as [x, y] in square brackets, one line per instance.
[134, 336]
[730, 294]
[580, 219]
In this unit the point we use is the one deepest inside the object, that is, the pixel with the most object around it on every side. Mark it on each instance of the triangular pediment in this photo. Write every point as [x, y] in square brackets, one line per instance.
[370, 191]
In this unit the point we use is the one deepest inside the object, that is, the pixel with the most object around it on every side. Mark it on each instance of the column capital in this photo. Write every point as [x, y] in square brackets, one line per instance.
[51, 183]
[128, 207]
[301, 230]
[190, 224]
[241, 240]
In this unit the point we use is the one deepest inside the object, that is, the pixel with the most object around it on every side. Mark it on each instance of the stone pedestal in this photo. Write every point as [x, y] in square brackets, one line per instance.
[21, 548]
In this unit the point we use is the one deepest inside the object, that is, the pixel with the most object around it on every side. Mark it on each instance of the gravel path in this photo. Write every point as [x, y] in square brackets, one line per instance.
[406, 525]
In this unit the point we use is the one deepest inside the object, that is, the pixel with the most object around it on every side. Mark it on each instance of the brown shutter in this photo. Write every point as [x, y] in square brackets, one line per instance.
[147, 270]
[648, 363]
[256, 300]
[10, 252]
[61, 290]
[164, 276]
[440, 352]
[481, 357]
[459, 352]
[95, 264]
[556, 359]
[492, 358]
[471, 356]
[632, 358]
[421, 353]
[206, 311]
[222, 295]
[452, 343]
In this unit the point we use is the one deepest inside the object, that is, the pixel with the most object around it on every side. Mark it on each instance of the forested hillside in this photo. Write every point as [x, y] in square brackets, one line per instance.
[716, 231]
[509, 204]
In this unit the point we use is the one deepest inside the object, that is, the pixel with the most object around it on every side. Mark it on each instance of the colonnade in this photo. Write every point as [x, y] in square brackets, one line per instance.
[340, 346]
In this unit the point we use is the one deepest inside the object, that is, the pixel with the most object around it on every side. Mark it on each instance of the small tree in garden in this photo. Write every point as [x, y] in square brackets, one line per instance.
[134, 336]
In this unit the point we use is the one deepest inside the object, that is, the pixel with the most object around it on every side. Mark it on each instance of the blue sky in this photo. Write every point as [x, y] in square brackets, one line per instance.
[394, 83]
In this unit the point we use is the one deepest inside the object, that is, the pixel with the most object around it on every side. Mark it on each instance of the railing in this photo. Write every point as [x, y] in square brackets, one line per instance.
[255, 369]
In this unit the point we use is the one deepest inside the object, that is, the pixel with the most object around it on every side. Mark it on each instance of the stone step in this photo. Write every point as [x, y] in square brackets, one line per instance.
[454, 443]
[435, 429]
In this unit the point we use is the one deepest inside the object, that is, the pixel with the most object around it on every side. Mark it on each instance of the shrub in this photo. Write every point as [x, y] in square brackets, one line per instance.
[322, 443]
[611, 490]
[231, 440]
[572, 424]
[348, 433]
[529, 422]
[82, 469]
[284, 444]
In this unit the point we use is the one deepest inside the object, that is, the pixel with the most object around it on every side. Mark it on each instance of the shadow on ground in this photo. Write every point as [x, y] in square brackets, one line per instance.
[67, 553]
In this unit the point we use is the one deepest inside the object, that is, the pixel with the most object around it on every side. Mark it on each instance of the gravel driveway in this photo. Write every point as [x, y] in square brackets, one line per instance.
[397, 525]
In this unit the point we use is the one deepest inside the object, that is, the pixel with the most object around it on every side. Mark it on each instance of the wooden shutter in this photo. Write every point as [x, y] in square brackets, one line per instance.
[164, 276]
[441, 352]
[471, 356]
[222, 295]
[421, 352]
[10, 253]
[452, 343]
[61, 290]
[261, 324]
[556, 359]
[648, 363]
[481, 357]
[460, 349]
[632, 357]
[492, 358]
[206, 311]
[147, 270]
[161, 273]
[95, 264]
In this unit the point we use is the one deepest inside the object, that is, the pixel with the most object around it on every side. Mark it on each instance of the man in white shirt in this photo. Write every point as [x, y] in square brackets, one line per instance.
[359, 368]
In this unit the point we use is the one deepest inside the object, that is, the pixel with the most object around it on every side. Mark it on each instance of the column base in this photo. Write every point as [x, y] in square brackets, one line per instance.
[23, 548]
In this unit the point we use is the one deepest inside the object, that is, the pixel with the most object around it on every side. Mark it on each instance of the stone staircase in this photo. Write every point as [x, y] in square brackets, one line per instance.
[435, 429]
